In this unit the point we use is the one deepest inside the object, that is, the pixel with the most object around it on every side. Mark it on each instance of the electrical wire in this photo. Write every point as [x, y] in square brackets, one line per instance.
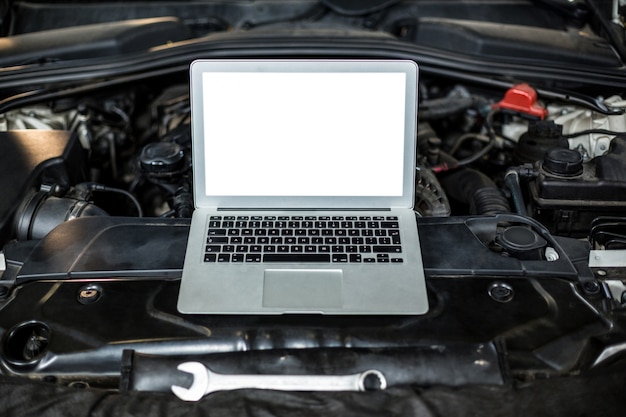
[99, 187]
[593, 131]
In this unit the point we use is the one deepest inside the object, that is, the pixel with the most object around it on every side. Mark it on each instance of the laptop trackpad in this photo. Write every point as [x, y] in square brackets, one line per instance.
[302, 288]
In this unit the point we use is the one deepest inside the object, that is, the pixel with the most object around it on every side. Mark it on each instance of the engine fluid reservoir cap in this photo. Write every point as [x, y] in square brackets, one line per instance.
[520, 240]
[563, 162]
[162, 158]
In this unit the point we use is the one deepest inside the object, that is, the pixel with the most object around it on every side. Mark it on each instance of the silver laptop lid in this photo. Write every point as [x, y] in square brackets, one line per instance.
[304, 134]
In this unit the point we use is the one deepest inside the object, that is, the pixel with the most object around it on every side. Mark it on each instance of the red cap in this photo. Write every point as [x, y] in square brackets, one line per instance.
[523, 98]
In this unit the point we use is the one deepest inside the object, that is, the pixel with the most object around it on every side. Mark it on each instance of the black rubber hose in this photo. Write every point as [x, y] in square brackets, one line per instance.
[475, 189]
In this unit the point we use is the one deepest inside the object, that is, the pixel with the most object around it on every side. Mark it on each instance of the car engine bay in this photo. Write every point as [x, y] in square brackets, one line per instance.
[520, 198]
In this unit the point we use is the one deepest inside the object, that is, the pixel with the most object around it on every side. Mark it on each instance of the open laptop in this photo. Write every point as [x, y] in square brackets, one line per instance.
[303, 186]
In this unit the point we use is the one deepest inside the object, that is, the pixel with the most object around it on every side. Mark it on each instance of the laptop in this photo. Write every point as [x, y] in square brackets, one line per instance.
[303, 179]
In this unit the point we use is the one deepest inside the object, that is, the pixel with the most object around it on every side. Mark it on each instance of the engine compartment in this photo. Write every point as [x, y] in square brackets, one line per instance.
[518, 189]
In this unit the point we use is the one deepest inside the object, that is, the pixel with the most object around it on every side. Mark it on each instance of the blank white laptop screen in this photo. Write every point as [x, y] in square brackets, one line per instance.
[352, 145]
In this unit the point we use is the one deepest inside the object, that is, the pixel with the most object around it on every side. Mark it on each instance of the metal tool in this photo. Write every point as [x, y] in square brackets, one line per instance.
[205, 382]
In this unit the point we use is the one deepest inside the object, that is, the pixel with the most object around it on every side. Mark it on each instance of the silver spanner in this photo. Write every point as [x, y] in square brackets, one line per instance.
[206, 381]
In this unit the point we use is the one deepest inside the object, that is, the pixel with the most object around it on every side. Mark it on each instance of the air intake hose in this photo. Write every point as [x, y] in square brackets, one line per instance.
[472, 187]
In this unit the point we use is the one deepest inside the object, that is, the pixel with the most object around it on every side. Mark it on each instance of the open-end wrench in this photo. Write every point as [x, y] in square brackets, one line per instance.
[205, 382]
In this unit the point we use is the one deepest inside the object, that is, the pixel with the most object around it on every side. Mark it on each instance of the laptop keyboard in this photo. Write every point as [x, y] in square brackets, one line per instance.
[330, 239]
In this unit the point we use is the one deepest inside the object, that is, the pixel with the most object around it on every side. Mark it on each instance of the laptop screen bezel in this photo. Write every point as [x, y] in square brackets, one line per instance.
[202, 200]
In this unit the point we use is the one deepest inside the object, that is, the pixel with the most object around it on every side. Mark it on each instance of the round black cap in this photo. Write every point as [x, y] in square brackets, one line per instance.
[563, 162]
[161, 157]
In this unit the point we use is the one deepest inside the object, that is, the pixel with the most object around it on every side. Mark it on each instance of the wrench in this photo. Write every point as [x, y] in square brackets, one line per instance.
[206, 381]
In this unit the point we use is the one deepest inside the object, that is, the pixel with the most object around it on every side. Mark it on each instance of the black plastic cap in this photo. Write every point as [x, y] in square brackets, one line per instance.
[563, 162]
[519, 239]
[162, 157]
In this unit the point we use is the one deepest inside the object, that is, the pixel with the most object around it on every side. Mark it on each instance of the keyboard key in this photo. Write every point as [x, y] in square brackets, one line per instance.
[387, 249]
[396, 260]
[237, 257]
[212, 248]
[217, 232]
[340, 257]
[355, 257]
[310, 248]
[215, 224]
[217, 239]
[223, 257]
[210, 257]
[253, 257]
[228, 248]
[389, 225]
[296, 257]
[369, 260]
